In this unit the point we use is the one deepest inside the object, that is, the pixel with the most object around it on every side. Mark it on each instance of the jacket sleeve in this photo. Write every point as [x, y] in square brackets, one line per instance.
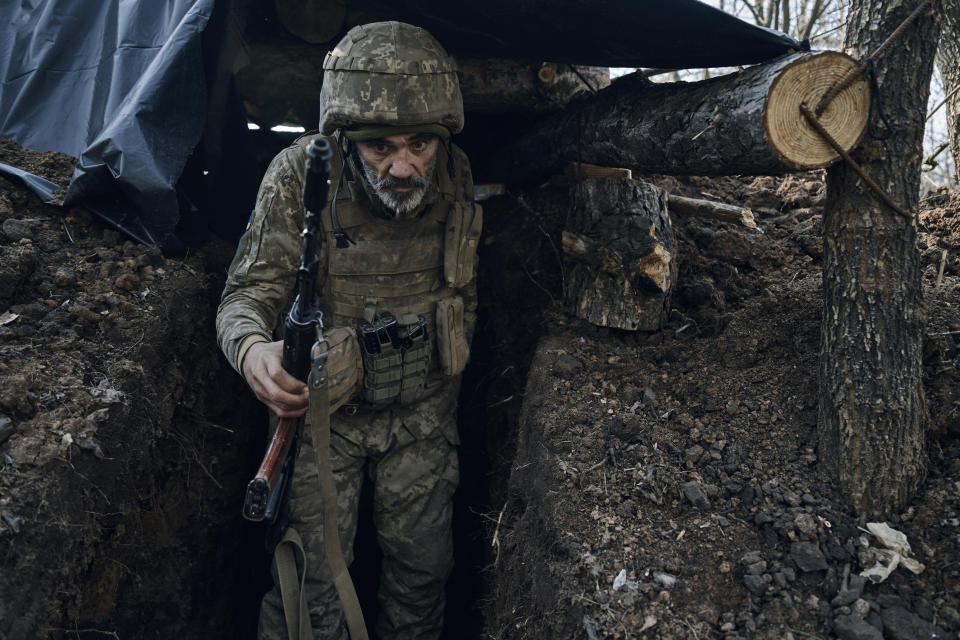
[264, 270]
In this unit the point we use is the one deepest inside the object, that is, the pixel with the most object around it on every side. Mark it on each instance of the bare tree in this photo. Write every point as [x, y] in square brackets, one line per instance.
[948, 60]
[799, 18]
[872, 414]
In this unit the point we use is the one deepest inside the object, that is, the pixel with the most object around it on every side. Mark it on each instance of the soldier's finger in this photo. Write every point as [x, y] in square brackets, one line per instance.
[285, 412]
[279, 397]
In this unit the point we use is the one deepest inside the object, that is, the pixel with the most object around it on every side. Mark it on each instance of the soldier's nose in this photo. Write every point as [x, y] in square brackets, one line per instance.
[401, 169]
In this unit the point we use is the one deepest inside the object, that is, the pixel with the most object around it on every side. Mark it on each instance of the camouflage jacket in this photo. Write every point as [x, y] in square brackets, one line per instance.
[261, 278]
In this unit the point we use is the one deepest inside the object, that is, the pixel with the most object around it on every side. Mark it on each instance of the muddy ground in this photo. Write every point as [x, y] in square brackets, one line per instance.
[615, 485]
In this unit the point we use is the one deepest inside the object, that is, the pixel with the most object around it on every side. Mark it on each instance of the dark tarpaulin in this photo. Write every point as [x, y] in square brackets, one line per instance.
[121, 85]
[673, 34]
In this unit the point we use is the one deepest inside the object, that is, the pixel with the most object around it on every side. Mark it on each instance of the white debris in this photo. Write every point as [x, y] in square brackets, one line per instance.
[896, 553]
[620, 580]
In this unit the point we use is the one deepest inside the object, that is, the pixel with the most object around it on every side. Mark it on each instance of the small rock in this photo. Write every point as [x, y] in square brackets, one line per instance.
[692, 455]
[861, 607]
[567, 366]
[845, 597]
[874, 620]
[630, 394]
[806, 526]
[922, 607]
[6, 428]
[649, 397]
[665, 580]
[694, 493]
[755, 584]
[150, 258]
[763, 517]
[808, 556]
[64, 277]
[855, 628]
[950, 615]
[890, 601]
[900, 624]
[127, 282]
[17, 230]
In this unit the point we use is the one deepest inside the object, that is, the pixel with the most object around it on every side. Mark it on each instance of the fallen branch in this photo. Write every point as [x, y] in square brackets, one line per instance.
[712, 209]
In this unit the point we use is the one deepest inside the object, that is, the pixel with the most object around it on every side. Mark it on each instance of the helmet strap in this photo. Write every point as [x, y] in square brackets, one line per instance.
[343, 240]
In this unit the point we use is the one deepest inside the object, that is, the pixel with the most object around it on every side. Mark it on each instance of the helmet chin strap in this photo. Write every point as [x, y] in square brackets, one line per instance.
[343, 240]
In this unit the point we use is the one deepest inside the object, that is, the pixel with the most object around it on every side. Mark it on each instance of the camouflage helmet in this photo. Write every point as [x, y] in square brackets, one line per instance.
[389, 74]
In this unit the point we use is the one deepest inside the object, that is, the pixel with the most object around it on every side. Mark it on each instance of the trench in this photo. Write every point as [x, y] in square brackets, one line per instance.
[147, 541]
[508, 326]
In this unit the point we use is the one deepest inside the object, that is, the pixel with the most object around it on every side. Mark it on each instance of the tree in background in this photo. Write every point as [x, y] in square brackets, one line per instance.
[801, 19]
[872, 415]
[948, 60]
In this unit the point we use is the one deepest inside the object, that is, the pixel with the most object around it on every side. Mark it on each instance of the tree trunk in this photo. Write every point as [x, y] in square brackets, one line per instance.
[281, 81]
[871, 413]
[741, 123]
[620, 240]
[948, 60]
[505, 86]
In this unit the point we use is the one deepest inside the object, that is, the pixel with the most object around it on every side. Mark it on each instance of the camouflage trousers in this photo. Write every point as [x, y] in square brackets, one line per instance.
[410, 456]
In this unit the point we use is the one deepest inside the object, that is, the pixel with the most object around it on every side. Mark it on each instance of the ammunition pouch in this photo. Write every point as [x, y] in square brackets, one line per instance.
[344, 366]
[452, 346]
[396, 358]
[462, 235]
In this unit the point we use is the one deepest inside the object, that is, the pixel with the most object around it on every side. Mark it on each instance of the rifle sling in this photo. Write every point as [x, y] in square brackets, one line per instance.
[294, 598]
[294, 595]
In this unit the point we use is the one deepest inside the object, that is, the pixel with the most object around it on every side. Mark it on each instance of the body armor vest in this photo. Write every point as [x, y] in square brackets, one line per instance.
[408, 267]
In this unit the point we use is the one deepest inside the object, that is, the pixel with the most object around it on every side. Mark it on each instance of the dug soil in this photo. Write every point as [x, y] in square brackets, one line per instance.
[615, 484]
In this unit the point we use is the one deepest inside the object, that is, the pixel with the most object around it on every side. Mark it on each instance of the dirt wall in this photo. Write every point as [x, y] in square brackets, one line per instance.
[126, 437]
[666, 485]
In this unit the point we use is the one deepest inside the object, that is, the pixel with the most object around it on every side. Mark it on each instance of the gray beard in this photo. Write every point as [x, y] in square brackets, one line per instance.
[394, 201]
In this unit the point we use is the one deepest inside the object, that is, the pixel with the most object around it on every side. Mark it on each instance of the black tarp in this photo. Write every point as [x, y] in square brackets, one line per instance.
[118, 85]
[122, 85]
[673, 34]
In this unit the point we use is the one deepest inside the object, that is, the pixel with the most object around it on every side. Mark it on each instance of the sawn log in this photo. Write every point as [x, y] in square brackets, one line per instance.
[742, 123]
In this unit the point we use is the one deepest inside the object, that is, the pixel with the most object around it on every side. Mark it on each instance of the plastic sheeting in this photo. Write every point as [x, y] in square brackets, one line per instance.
[120, 84]
[672, 34]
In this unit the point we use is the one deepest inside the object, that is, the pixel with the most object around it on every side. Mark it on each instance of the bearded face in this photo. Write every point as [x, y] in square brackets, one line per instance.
[399, 168]
[399, 194]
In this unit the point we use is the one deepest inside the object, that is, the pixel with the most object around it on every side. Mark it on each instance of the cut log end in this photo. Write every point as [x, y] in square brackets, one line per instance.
[795, 142]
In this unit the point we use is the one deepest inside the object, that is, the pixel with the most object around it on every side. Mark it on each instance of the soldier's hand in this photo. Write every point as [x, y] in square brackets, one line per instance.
[263, 369]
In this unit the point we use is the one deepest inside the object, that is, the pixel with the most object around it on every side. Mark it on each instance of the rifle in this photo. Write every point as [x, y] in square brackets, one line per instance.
[302, 332]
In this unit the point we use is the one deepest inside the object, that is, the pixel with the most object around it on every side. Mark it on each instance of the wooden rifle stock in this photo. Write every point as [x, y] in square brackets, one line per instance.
[257, 504]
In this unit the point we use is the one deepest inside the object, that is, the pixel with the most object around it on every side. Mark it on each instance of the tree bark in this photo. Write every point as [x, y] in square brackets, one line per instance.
[620, 240]
[742, 123]
[871, 413]
[948, 60]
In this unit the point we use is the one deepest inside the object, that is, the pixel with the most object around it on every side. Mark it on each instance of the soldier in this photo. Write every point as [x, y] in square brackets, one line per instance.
[397, 259]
